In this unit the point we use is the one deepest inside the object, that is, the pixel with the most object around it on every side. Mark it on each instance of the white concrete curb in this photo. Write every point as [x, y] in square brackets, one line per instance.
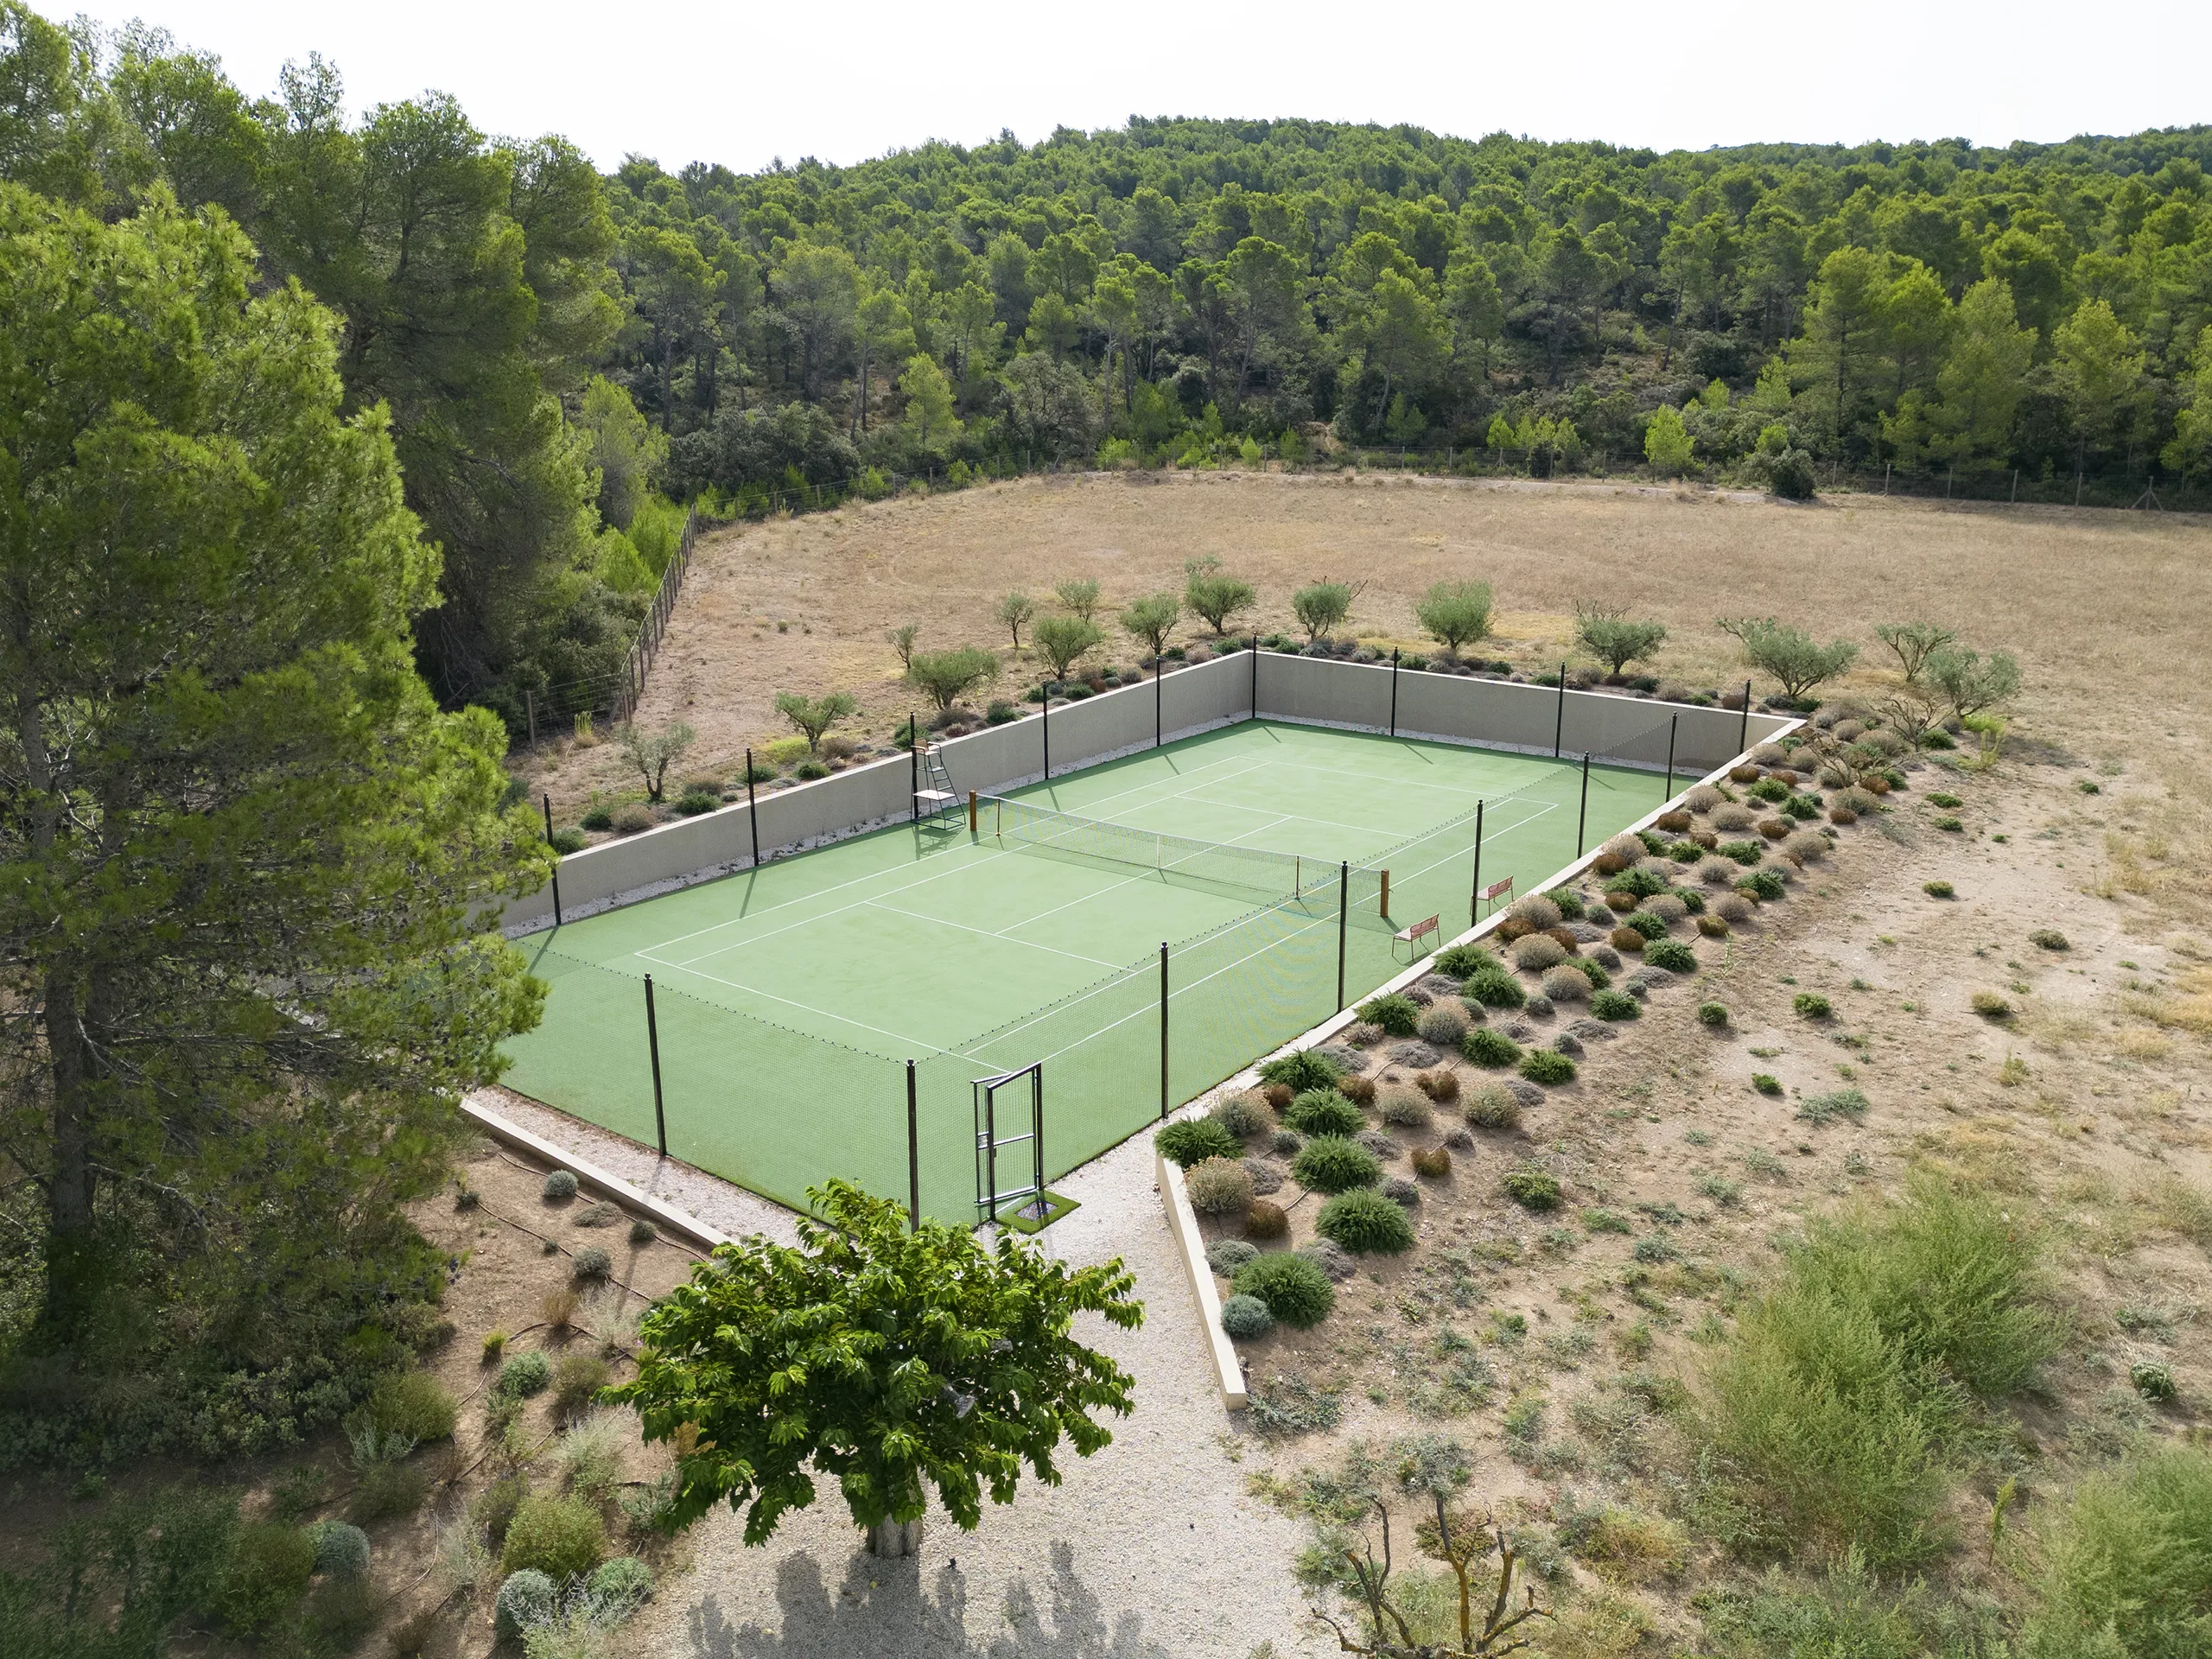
[665, 1215]
[1183, 1224]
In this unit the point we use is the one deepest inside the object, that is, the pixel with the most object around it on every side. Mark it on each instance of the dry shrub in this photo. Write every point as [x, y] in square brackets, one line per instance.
[1627, 849]
[1537, 952]
[1733, 814]
[1511, 929]
[1493, 1106]
[1744, 775]
[1538, 911]
[1442, 1026]
[1606, 864]
[1769, 754]
[1266, 1219]
[1734, 907]
[1277, 1095]
[1842, 815]
[1624, 902]
[1441, 1083]
[1806, 846]
[1719, 872]
[558, 1309]
[1874, 784]
[1703, 797]
[1705, 838]
[1406, 1108]
[1848, 731]
[1358, 1091]
[1833, 774]
[1433, 1161]
[1674, 822]
[1566, 984]
[1628, 940]
[1219, 1186]
[1713, 927]
[1243, 1114]
[1667, 907]
[1776, 829]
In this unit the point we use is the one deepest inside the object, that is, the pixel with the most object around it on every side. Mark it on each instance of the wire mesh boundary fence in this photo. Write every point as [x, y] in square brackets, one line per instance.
[777, 1109]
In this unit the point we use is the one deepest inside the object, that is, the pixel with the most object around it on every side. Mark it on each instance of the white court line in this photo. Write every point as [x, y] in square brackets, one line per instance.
[1027, 945]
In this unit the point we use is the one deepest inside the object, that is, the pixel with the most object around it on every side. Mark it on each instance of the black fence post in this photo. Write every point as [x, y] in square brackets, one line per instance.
[1394, 691]
[1475, 891]
[1157, 664]
[1255, 677]
[1048, 729]
[913, 1155]
[1343, 924]
[653, 1046]
[1743, 726]
[1163, 1030]
[914, 765]
[1582, 817]
[1559, 726]
[752, 809]
[529, 703]
[1671, 721]
[556, 860]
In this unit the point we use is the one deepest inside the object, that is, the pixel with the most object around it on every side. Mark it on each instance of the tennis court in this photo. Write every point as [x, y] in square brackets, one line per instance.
[789, 999]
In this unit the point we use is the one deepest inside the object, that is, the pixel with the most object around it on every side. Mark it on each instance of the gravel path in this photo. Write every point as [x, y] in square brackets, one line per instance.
[1150, 1550]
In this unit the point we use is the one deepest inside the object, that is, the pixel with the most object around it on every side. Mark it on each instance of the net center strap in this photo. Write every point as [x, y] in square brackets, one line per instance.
[1020, 824]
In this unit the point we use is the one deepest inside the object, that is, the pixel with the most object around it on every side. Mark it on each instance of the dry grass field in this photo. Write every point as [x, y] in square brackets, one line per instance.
[2101, 607]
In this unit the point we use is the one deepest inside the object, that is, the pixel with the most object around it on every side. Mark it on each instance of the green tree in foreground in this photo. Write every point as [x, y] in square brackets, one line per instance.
[1616, 638]
[242, 847]
[945, 676]
[1062, 639]
[1455, 613]
[814, 716]
[1790, 654]
[891, 1361]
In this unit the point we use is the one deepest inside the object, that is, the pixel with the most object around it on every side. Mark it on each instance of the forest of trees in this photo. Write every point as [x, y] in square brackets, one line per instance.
[562, 351]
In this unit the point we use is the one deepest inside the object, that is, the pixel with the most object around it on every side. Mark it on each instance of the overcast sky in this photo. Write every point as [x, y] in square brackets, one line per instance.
[743, 83]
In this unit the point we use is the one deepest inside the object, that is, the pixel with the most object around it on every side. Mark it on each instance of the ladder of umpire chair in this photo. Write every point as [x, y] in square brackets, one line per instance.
[934, 797]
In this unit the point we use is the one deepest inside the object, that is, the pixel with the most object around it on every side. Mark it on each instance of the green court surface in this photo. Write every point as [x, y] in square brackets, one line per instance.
[790, 999]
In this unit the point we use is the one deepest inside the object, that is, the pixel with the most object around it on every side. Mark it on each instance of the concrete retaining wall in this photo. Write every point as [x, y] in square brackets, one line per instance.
[1306, 691]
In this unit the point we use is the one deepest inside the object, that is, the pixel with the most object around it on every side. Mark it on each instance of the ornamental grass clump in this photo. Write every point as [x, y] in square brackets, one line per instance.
[1324, 1111]
[1434, 1162]
[1532, 1189]
[1292, 1289]
[1672, 955]
[1308, 1068]
[1397, 1014]
[1615, 1005]
[1463, 961]
[1495, 988]
[1193, 1141]
[1439, 1082]
[1490, 1048]
[1330, 1163]
[1547, 1067]
[1493, 1106]
[1365, 1223]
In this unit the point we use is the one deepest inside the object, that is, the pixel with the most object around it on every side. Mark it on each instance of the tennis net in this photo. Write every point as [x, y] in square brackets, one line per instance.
[1253, 869]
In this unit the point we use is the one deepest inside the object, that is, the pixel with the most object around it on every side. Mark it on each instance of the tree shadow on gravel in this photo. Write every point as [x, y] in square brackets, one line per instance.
[884, 1607]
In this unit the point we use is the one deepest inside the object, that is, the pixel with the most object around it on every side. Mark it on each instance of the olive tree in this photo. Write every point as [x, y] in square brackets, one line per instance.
[1078, 595]
[1013, 612]
[814, 716]
[1614, 638]
[891, 1361]
[901, 639]
[1210, 593]
[1913, 643]
[1064, 639]
[1789, 654]
[1971, 683]
[1455, 613]
[653, 751]
[1322, 605]
[1153, 619]
[945, 676]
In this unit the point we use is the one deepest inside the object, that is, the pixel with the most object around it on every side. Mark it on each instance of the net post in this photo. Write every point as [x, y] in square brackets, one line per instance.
[1582, 816]
[1163, 1030]
[1394, 707]
[1475, 891]
[1672, 721]
[971, 811]
[1343, 924]
[1559, 725]
[1386, 892]
[752, 809]
[556, 860]
[913, 766]
[1744, 728]
[913, 1155]
[653, 1047]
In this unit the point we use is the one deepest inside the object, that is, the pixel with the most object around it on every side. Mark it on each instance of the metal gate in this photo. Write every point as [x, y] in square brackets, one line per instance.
[989, 1141]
